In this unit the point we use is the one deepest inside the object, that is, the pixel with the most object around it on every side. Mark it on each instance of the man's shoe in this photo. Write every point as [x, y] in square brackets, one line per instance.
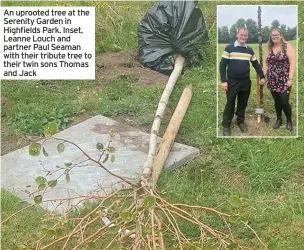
[243, 127]
[226, 131]
[289, 125]
[277, 124]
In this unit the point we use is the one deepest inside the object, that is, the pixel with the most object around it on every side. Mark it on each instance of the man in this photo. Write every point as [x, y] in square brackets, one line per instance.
[237, 81]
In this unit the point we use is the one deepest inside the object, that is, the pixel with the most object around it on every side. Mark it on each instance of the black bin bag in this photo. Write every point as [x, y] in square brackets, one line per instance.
[170, 28]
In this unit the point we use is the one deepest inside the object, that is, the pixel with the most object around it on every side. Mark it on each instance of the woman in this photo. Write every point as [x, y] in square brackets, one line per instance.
[280, 68]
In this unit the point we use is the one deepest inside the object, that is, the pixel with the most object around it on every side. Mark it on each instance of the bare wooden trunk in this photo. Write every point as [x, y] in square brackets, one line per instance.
[260, 102]
[170, 134]
[147, 167]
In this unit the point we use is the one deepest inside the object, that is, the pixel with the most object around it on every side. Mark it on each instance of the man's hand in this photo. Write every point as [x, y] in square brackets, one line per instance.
[262, 81]
[225, 86]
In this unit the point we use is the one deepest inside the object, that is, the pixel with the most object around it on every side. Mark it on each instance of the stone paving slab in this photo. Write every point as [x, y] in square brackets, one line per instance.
[19, 169]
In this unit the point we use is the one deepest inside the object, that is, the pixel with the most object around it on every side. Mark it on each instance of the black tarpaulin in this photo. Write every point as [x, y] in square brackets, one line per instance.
[168, 28]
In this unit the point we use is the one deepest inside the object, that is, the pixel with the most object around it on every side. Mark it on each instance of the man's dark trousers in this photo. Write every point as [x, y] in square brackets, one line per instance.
[237, 89]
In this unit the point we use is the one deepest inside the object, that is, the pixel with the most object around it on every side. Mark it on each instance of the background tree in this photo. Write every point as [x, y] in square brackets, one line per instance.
[252, 31]
[288, 34]
[265, 34]
[240, 23]
[295, 35]
[283, 29]
[225, 34]
[275, 24]
[233, 32]
[220, 36]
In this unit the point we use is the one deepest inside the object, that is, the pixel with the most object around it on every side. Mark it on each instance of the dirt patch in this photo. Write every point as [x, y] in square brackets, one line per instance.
[110, 65]
[79, 118]
[132, 121]
[127, 124]
[238, 179]
[234, 178]
[10, 143]
[295, 181]
[128, 135]
[287, 229]
[258, 129]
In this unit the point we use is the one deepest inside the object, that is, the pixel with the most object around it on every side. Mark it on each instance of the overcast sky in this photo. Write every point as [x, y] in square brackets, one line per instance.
[228, 15]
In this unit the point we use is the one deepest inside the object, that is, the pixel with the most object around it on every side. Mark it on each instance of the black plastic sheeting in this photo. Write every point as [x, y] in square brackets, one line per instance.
[171, 27]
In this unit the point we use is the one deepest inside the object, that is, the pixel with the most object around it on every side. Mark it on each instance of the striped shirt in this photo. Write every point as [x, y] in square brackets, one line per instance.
[237, 58]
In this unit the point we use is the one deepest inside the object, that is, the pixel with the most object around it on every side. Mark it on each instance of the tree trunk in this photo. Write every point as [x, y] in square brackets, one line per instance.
[259, 97]
[170, 134]
[147, 167]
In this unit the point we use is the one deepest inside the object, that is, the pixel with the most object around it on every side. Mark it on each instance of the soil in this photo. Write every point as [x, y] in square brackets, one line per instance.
[264, 128]
[236, 179]
[13, 142]
[111, 65]
[108, 66]
[255, 128]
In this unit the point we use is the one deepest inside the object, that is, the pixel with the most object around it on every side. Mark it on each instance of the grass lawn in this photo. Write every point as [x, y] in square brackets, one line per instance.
[268, 174]
[262, 129]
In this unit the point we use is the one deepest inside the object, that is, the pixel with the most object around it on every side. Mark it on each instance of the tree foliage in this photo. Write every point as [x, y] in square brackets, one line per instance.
[226, 35]
[275, 24]
[252, 27]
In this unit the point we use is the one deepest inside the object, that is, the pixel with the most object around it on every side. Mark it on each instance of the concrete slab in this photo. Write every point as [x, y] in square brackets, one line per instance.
[19, 169]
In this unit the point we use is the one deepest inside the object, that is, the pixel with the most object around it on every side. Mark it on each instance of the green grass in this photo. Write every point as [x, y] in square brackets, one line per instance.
[22, 229]
[257, 170]
[268, 100]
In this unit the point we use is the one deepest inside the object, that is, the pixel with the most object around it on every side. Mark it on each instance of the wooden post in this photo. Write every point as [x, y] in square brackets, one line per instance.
[170, 134]
[259, 92]
[258, 100]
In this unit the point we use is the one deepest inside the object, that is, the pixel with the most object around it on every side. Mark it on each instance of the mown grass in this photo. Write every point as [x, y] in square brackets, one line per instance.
[268, 101]
[23, 227]
[266, 173]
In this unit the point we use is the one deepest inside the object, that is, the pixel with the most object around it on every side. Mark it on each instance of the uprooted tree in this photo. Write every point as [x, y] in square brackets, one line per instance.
[136, 216]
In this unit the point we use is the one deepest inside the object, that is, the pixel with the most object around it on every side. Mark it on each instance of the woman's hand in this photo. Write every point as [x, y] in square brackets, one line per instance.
[289, 83]
[262, 81]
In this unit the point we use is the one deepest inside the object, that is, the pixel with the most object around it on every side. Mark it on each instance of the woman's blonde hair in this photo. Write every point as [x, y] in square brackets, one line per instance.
[270, 43]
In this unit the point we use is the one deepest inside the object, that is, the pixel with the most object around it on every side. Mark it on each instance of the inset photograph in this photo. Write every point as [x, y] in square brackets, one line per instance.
[257, 90]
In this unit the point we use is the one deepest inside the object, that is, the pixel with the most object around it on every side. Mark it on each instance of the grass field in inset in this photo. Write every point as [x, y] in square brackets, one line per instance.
[259, 129]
